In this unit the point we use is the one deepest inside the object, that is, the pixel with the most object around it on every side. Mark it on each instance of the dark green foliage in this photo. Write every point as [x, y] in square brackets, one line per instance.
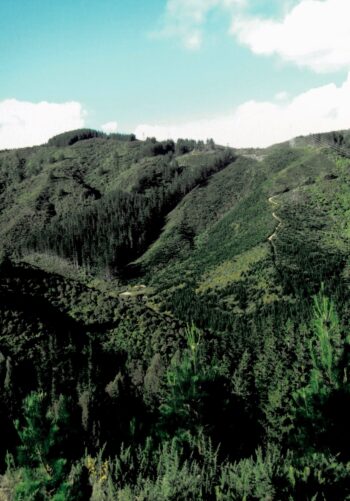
[165, 290]
[113, 231]
[152, 148]
[40, 453]
[322, 406]
[187, 384]
[122, 137]
[72, 137]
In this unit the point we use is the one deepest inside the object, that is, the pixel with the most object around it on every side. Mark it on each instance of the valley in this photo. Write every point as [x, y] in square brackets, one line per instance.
[175, 314]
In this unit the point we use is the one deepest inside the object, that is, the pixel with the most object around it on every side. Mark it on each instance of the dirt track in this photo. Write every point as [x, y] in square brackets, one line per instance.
[274, 234]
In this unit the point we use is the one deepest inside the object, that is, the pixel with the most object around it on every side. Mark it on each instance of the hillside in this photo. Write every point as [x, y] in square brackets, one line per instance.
[149, 284]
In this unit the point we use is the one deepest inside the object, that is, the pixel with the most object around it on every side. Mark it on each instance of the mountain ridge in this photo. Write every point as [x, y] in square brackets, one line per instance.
[148, 284]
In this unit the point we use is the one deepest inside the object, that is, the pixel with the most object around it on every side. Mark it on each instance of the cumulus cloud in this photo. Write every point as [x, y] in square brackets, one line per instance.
[313, 34]
[109, 127]
[260, 124]
[184, 19]
[24, 123]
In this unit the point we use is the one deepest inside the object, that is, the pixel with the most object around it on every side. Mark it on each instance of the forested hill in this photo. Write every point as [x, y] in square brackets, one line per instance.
[98, 201]
[144, 286]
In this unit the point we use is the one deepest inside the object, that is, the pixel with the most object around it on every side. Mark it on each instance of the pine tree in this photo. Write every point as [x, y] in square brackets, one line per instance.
[43, 471]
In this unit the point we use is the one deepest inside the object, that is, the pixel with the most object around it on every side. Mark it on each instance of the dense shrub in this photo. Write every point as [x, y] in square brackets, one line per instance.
[72, 137]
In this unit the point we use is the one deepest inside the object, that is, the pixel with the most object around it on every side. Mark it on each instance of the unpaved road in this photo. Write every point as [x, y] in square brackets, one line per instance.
[274, 234]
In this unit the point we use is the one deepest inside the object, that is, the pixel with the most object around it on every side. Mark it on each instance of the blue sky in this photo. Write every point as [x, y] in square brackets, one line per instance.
[166, 66]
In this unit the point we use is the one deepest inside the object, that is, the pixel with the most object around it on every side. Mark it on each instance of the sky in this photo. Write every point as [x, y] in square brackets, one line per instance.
[244, 72]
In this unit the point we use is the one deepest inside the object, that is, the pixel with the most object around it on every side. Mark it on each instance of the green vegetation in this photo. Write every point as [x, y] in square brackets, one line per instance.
[69, 138]
[155, 344]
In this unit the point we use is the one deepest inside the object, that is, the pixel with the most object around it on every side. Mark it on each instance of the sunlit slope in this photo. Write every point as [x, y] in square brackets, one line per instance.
[235, 231]
[216, 248]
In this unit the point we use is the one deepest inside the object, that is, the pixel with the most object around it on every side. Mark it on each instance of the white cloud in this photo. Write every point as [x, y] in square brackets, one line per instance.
[184, 19]
[193, 41]
[24, 123]
[260, 124]
[314, 34]
[109, 127]
[281, 96]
